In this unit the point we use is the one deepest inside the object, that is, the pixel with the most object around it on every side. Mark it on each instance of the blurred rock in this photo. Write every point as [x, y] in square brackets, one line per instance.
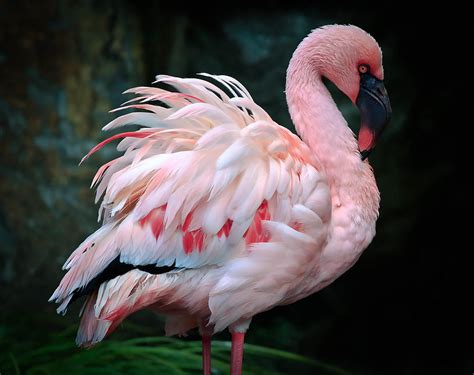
[66, 69]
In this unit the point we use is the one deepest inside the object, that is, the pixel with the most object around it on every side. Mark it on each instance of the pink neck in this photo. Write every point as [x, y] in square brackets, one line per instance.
[323, 128]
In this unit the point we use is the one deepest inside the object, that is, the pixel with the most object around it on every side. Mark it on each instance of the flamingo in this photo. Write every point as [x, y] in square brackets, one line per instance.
[215, 213]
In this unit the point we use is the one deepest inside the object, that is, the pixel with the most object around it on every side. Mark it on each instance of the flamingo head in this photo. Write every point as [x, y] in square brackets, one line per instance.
[352, 60]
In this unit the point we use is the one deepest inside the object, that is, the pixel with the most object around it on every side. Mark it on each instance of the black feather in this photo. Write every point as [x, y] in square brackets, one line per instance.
[114, 269]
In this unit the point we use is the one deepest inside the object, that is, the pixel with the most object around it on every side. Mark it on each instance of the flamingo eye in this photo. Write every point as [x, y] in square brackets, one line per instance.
[363, 68]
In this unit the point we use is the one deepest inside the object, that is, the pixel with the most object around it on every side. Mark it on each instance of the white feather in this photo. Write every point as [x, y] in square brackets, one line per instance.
[238, 151]
[136, 118]
[217, 156]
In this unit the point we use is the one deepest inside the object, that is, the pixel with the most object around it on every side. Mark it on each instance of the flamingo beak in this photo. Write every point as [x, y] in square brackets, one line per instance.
[375, 112]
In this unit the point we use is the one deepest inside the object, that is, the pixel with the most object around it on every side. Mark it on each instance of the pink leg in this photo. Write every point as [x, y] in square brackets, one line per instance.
[206, 354]
[237, 354]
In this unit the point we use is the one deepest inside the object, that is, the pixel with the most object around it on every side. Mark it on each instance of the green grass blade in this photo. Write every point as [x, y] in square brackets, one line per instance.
[58, 355]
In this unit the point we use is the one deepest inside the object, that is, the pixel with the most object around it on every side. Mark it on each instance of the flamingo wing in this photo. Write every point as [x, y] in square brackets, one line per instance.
[206, 177]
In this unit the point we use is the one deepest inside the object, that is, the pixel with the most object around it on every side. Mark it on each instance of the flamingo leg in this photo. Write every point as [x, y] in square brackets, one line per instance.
[206, 354]
[237, 354]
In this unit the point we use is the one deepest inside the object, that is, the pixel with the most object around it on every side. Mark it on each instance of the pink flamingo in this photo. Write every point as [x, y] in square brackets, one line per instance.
[215, 213]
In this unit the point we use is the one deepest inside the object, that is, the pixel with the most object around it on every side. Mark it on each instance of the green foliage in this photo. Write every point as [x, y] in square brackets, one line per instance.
[158, 355]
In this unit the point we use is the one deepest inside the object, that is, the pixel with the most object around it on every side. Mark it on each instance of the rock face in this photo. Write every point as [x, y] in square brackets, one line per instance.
[61, 71]
[63, 66]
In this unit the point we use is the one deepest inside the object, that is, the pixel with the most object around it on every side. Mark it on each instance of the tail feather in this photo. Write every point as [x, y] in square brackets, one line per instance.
[92, 329]
[115, 300]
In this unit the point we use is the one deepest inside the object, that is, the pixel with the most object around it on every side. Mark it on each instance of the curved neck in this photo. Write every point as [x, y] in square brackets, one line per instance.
[323, 128]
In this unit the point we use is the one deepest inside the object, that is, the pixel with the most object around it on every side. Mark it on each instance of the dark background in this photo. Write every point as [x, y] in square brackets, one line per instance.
[402, 309]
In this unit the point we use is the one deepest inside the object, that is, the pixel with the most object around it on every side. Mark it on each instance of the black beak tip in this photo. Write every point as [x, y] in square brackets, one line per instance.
[375, 111]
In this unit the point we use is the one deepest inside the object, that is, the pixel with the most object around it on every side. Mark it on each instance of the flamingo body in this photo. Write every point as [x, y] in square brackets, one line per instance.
[214, 212]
